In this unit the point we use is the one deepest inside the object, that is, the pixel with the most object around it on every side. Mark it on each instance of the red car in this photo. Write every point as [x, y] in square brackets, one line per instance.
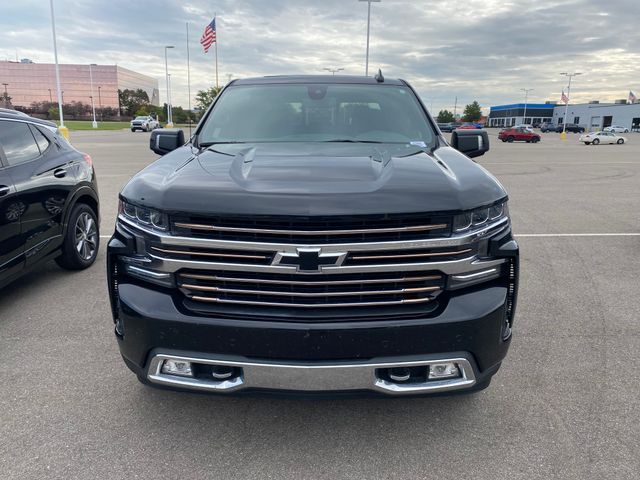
[519, 134]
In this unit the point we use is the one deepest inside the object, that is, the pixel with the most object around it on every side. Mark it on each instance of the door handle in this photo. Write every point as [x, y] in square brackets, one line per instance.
[60, 173]
[3, 190]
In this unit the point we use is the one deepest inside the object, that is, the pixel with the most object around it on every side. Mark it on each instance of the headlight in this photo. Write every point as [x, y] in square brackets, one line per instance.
[479, 217]
[144, 216]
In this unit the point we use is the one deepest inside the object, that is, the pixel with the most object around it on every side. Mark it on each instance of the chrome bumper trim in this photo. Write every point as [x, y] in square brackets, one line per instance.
[465, 265]
[330, 377]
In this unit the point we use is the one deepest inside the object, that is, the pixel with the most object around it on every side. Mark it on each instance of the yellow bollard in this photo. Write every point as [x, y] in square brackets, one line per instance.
[64, 131]
[563, 136]
[169, 125]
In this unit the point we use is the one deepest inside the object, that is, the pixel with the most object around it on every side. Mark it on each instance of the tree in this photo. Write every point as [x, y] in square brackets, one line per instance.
[204, 98]
[132, 100]
[445, 116]
[472, 112]
[6, 99]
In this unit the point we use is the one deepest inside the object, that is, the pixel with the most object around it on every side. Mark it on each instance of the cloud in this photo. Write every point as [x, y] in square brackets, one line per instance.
[471, 49]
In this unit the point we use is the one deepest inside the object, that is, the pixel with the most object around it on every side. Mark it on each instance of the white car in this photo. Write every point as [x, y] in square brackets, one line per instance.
[525, 126]
[616, 129]
[596, 138]
[146, 124]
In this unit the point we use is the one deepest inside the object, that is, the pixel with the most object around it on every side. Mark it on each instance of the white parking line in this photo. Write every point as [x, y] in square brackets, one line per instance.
[577, 235]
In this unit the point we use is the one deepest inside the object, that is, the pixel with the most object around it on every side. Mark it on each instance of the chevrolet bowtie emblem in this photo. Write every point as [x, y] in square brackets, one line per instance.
[309, 259]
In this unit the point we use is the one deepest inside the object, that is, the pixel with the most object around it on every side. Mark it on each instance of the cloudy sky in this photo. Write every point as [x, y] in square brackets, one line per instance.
[485, 50]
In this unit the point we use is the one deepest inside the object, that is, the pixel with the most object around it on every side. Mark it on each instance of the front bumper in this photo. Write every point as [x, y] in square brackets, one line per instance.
[320, 357]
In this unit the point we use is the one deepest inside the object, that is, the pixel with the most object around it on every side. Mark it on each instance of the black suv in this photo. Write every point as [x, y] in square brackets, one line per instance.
[316, 234]
[48, 199]
[571, 127]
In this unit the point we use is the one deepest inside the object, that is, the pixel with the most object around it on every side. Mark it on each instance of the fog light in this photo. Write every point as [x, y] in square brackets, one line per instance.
[443, 370]
[177, 367]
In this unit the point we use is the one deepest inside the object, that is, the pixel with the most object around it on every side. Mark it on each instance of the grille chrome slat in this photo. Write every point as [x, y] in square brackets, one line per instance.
[268, 231]
[409, 255]
[315, 305]
[348, 293]
[210, 254]
[195, 276]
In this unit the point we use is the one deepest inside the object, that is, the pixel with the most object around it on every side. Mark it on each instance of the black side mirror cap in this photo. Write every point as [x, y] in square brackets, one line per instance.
[473, 143]
[166, 140]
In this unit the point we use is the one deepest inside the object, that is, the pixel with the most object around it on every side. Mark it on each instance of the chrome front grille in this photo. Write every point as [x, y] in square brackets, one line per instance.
[304, 281]
[316, 230]
[315, 291]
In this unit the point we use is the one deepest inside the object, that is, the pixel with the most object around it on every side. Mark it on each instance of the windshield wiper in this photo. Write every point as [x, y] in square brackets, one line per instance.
[209, 144]
[350, 140]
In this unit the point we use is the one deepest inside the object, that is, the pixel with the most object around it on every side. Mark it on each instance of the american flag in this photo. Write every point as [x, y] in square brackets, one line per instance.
[209, 36]
[564, 98]
[632, 97]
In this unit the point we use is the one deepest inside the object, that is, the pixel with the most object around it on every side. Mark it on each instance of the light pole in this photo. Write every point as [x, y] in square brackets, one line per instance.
[566, 105]
[333, 70]
[93, 106]
[6, 96]
[62, 128]
[169, 108]
[166, 71]
[526, 97]
[366, 65]
[100, 102]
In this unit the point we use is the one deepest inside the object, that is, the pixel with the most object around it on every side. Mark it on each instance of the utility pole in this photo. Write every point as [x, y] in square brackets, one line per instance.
[93, 105]
[526, 97]
[566, 105]
[166, 72]
[455, 110]
[333, 70]
[366, 65]
[63, 130]
[100, 102]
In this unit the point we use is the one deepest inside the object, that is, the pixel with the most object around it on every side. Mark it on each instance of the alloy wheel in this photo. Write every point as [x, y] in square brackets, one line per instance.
[86, 236]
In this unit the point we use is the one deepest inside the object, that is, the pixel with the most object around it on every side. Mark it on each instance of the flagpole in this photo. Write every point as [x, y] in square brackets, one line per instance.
[215, 16]
[189, 79]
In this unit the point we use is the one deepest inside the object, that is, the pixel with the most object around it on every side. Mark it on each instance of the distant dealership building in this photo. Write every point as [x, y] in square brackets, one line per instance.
[596, 116]
[27, 83]
[593, 116]
[514, 114]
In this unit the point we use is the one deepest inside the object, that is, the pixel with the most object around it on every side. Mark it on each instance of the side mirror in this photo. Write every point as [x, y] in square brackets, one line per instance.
[166, 140]
[473, 143]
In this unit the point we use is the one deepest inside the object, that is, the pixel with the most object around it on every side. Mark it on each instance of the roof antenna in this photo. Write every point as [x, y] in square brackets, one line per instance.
[379, 78]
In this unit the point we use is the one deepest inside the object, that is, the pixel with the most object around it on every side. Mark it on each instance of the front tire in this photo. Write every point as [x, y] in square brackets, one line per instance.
[510, 139]
[81, 239]
[133, 130]
[596, 141]
[620, 141]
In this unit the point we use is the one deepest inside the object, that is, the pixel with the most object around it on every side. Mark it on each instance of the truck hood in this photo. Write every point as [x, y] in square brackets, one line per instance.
[313, 179]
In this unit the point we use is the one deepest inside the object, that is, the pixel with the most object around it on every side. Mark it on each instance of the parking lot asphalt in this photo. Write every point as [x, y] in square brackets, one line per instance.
[564, 405]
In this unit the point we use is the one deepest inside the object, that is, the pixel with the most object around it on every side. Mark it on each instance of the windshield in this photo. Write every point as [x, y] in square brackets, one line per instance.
[317, 113]
[142, 118]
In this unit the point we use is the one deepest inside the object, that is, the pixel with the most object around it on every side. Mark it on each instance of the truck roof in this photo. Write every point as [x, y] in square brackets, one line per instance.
[304, 79]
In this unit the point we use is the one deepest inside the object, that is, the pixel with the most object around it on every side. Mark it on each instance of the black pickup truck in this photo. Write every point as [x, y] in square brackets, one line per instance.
[314, 235]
